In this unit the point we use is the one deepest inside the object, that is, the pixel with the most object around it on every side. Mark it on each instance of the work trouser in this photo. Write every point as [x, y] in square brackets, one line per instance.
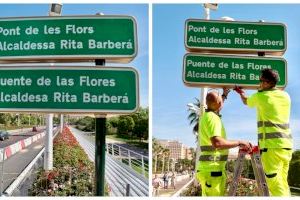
[276, 166]
[212, 183]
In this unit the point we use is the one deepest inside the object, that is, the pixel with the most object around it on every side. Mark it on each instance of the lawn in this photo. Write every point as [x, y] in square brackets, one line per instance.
[131, 141]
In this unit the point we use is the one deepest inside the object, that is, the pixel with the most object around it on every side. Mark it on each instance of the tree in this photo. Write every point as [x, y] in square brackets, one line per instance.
[294, 171]
[6, 118]
[141, 118]
[125, 124]
[156, 151]
[193, 117]
[194, 121]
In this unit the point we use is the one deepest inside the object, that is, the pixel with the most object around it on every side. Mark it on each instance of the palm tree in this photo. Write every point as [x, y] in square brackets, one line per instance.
[165, 153]
[156, 150]
[193, 117]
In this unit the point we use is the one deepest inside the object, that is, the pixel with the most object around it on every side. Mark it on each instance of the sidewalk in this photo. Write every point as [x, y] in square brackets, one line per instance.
[170, 191]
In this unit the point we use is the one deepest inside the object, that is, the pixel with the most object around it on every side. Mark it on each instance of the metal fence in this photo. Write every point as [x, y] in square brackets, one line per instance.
[135, 161]
[17, 181]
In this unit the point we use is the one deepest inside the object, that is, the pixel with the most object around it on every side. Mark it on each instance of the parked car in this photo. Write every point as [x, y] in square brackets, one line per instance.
[4, 135]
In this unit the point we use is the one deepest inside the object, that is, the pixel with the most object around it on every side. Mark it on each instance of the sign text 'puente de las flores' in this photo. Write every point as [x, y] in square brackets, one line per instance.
[228, 70]
[68, 38]
[235, 36]
[69, 89]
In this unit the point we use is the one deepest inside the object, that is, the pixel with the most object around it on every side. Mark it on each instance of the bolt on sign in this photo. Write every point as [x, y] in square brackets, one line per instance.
[201, 70]
[69, 90]
[235, 37]
[65, 38]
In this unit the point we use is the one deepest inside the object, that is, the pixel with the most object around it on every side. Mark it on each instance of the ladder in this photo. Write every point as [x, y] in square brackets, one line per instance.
[257, 169]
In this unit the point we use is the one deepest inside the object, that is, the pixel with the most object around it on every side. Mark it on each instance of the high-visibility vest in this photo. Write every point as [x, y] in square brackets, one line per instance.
[211, 158]
[273, 115]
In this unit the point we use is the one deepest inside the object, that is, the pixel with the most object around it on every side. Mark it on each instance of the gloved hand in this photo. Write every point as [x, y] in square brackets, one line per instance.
[238, 90]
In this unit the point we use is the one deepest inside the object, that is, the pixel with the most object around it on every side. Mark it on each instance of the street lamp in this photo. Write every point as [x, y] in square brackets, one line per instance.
[55, 9]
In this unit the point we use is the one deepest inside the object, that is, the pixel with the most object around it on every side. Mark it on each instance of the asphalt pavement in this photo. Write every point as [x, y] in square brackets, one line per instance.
[15, 137]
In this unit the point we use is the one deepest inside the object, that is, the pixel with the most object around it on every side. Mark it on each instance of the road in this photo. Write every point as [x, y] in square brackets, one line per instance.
[117, 174]
[14, 165]
[15, 137]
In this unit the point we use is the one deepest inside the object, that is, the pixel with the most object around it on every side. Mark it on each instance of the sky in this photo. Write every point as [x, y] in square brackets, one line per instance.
[139, 11]
[171, 96]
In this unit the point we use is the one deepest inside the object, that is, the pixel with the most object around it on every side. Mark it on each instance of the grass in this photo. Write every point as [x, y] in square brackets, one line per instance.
[136, 168]
[131, 141]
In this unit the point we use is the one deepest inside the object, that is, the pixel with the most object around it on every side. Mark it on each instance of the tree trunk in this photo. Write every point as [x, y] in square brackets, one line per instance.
[163, 164]
[155, 164]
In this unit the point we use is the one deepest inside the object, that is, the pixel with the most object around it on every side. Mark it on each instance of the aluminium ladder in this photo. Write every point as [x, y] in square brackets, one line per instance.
[257, 169]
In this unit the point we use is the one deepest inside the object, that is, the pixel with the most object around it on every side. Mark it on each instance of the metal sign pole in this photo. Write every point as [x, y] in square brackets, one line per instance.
[61, 122]
[202, 101]
[100, 148]
[48, 158]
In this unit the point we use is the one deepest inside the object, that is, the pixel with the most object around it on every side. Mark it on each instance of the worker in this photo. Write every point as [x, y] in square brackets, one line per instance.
[214, 147]
[274, 136]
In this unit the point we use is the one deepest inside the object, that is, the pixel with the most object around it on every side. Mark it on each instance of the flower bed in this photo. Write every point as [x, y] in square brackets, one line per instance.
[72, 174]
[246, 187]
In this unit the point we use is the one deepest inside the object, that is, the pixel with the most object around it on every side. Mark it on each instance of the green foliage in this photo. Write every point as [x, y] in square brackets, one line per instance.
[294, 171]
[86, 124]
[125, 124]
[133, 126]
[73, 172]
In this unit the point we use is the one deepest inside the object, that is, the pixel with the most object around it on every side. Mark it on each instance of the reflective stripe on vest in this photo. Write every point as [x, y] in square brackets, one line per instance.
[274, 135]
[213, 158]
[207, 148]
[271, 124]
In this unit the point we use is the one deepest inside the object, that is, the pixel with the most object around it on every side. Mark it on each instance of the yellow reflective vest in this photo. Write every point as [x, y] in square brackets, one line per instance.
[210, 158]
[273, 116]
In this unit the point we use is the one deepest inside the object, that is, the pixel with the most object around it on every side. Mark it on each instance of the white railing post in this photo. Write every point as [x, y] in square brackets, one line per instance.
[2, 172]
[112, 150]
[143, 166]
[129, 159]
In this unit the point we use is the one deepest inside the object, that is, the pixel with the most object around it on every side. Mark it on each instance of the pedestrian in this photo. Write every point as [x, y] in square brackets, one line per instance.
[273, 107]
[214, 147]
[166, 180]
[173, 176]
[156, 184]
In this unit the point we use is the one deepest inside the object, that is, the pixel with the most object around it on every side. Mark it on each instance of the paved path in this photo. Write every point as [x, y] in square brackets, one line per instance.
[170, 191]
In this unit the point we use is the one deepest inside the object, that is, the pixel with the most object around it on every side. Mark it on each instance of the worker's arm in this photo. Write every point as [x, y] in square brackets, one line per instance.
[242, 94]
[225, 93]
[221, 143]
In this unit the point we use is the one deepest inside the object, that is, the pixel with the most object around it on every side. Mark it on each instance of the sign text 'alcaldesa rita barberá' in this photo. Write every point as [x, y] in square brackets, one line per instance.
[235, 37]
[226, 70]
[65, 38]
[69, 90]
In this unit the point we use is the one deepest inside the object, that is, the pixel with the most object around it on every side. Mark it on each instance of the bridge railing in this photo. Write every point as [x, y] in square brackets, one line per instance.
[134, 160]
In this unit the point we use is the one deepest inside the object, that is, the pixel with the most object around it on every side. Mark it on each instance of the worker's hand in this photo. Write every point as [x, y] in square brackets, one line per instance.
[239, 90]
[246, 146]
[225, 92]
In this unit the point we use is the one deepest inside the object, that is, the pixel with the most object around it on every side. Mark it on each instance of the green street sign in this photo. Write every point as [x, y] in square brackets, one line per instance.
[235, 37]
[69, 89]
[65, 38]
[222, 70]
